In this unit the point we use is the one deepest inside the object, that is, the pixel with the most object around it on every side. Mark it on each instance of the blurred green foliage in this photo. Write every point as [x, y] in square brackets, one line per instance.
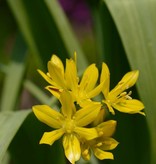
[122, 33]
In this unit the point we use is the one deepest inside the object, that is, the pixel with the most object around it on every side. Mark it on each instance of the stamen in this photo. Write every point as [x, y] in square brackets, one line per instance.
[123, 94]
[128, 97]
[99, 144]
[129, 93]
[127, 86]
[85, 152]
[73, 118]
[100, 133]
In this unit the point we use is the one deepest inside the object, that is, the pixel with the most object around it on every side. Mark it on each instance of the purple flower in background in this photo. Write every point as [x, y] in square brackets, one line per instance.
[77, 11]
[80, 17]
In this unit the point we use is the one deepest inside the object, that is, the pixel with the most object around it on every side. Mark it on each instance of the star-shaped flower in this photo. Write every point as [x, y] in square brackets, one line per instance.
[61, 79]
[118, 98]
[102, 144]
[68, 123]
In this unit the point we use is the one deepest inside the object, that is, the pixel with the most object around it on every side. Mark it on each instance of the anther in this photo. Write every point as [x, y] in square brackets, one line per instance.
[123, 94]
[100, 133]
[73, 118]
[127, 86]
[85, 152]
[99, 144]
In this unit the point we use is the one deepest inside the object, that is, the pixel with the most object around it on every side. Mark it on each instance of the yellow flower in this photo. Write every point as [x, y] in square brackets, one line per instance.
[117, 98]
[68, 123]
[101, 144]
[61, 79]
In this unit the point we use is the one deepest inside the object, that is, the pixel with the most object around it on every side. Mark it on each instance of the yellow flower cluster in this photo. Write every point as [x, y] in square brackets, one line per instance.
[80, 121]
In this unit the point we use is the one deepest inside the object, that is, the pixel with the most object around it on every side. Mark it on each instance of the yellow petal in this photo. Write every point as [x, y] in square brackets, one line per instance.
[46, 77]
[89, 78]
[100, 154]
[107, 128]
[71, 75]
[87, 133]
[71, 147]
[50, 137]
[109, 107]
[54, 91]
[100, 117]
[86, 153]
[56, 73]
[96, 90]
[105, 77]
[84, 102]
[126, 82]
[87, 114]
[48, 116]
[108, 144]
[67, 104]
[129, 106]
[56, 60]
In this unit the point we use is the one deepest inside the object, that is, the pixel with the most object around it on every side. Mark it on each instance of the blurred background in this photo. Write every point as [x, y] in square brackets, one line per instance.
[121, 33]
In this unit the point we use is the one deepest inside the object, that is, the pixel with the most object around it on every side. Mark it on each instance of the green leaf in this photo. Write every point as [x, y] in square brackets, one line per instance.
[66, 32]
[6, 158]
[39, 94]
[14, 74]
[25, 147]
[7, 30]
[25, 26]
[10, 122]
[46, 29]
[136, 23]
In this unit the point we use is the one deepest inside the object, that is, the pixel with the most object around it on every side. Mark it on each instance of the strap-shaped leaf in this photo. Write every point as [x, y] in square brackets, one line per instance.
[46, 31]
[13, 77]
[10, 122]
[24, 24]
[136, 23]
[66, 31]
